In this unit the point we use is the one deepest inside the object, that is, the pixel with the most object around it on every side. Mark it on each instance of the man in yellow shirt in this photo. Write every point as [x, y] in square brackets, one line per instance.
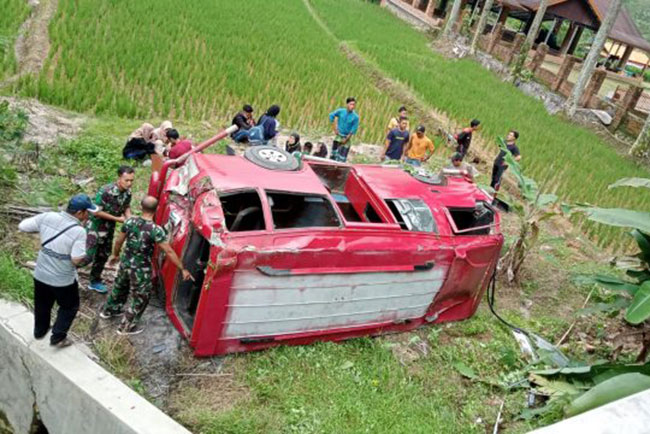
[394, 122]
[417, 148]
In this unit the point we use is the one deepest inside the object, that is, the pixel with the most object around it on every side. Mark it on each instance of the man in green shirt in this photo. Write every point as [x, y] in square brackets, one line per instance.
[114, 202]
[140, 234]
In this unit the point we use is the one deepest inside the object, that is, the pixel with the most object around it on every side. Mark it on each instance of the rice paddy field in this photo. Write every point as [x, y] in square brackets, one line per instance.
[562, 157]
[12, 14]
[199, 60]
[203, 59]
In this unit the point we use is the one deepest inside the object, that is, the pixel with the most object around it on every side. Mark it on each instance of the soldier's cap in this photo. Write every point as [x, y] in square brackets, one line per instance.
[81, 202]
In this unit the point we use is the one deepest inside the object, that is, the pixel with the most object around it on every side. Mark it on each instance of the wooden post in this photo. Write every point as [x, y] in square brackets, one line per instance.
[642, 144]
[576, 39]
[516, 47]
[496, 37]
[626, 56]
[589, 65]
[503, 17]
[461, 16]
[629, 102]
[568, 38]
[592, 89]
[550, 32]
[430, 8]
[564, 72]
[537, 22]
[487, 7]
[452, 18]
[538, 59]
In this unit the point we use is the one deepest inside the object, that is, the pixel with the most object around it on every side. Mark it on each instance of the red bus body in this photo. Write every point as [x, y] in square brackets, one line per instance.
[280, 275]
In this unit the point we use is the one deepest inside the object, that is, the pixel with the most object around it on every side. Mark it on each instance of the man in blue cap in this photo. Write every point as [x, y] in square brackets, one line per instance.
[63, 249]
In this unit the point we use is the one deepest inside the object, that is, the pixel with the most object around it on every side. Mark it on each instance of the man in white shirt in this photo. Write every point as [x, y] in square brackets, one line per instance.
[63, 248]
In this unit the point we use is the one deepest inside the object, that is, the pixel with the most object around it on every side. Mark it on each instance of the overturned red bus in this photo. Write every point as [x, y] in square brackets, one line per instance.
[288, 252]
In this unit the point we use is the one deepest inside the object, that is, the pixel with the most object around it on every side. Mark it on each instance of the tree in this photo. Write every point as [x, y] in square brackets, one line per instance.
[487, 7]
[642, 144]
[589, 66]
[452, 18]
[534, 28]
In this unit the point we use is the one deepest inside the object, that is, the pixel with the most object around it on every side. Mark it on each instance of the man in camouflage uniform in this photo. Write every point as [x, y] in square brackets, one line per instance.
[141, 234]
[114, 201]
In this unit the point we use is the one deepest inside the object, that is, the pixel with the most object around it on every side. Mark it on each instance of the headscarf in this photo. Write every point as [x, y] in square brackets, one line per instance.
[296, 144]
[273, 111]
[144, 132]
[160, 132]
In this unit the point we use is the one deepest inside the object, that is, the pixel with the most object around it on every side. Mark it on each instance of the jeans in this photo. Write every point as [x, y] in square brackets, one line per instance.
[67, 297]
[241, 136]
[413, 162]
[340, 151]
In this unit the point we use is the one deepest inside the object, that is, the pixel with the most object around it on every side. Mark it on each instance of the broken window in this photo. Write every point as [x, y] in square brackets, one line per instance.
[346, 207]
[301, 211]
[242, 210]
[371, 215]
[413, 215]
[332, 177]
[187, 294]
[480, 216]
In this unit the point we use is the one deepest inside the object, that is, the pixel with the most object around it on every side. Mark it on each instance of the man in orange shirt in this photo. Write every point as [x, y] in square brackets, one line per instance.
[417, 148]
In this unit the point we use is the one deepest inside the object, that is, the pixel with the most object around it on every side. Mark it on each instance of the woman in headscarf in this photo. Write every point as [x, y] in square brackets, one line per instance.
[293, 144]
[160, 137]
[140, 143]
[269, 124]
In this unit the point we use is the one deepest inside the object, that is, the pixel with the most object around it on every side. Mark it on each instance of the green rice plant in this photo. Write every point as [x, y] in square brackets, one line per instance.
[13, 14]
[201, 60]
[566, 159]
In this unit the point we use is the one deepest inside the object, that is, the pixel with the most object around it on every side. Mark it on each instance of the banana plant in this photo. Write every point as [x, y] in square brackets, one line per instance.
[532, 211]
[634, 291]
[637, 267]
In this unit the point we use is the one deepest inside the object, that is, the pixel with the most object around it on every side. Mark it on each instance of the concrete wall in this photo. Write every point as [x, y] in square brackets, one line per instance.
[410, 14]
[629, 415]
[72, 393]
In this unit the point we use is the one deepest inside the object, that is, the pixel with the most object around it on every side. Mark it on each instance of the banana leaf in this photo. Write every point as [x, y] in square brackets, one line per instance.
[608, 391]
[631, 182]
[609, 282]
[639, 310]
[643, 240]
[620, 217]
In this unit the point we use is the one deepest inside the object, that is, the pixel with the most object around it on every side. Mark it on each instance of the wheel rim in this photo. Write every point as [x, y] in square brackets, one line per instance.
[272, 155]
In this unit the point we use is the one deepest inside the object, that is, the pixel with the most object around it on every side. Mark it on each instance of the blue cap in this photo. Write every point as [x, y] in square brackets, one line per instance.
[81, 202]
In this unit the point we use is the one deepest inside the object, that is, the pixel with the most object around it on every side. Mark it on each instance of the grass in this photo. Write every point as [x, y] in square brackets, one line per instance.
[372, 385]
[200, 60]
[13, 14]
[15, 283]
[570, 160]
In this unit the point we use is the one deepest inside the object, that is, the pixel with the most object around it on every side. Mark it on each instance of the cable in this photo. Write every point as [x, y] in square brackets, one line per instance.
[490, 299]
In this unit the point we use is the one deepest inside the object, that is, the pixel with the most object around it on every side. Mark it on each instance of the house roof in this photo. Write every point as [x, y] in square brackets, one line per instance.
[625, 30]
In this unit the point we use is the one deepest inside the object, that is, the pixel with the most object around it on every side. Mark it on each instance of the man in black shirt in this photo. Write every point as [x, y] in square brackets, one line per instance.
[396, 140]
[244, 120]
[464, 138]
[500, 165]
